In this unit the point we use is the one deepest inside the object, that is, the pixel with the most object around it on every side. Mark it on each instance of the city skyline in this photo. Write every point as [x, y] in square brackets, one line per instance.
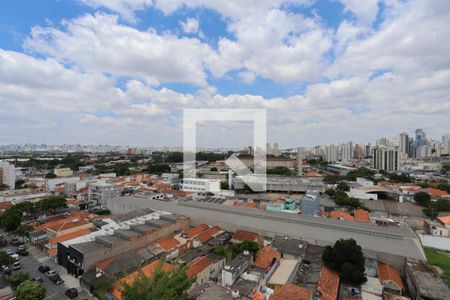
[121, 72]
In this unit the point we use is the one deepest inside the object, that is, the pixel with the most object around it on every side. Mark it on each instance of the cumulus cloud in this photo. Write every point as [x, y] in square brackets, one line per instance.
[125, 8]
[190, 25]
[362, 82]
[99, 43]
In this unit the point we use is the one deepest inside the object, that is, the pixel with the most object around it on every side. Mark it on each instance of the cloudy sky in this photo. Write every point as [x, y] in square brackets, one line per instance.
[122, 71]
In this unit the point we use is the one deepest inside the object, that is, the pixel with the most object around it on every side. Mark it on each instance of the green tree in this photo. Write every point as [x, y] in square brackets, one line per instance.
[5, 259]
[20, 184]
[346, 257]
[52, 203]
[10, 220]
[330, 192]
[3, 187]
[29, 290]
[50, 175]
[158, 168]
[18, 278]
[444, 187]
[161, 285]
[343, 186]
[280, 171]
[250, 246]
[422, 198]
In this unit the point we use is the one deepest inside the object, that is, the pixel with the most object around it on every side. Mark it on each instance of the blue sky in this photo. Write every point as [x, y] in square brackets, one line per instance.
[327, 71]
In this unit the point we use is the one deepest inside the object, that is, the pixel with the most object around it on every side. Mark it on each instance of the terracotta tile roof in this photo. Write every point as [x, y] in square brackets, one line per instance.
[167, 243]
[265, 257]
[389, 273]
[312, 174]
[69, 236]
[242, 235]
[445, 219]
[197, 265]
[437, 193]
[291, 292]
[67, 225]
[53, 252]
[147, 270]
[195, 231]
[104, 263]
[208, 234]
[328, 284]
[257, 295]
[341, 214]
[361, 215]
[5, 205]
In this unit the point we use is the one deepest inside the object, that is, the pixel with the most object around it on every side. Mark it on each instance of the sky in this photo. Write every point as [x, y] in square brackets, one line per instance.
[121, 72]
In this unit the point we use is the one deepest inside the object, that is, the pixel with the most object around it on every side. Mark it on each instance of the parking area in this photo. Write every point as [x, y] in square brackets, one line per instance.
[30, 264]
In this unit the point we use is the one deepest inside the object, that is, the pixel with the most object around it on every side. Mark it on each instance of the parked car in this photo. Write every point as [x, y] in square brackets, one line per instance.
[16, 265]
[9, 252]
[16, 242]
[50, 273]
[56, 279]
[71, 293]
[15, 257]
[23, 252]
[3, 242]
[6, 270]
[21, 248]
[43, 268]
[37, 279]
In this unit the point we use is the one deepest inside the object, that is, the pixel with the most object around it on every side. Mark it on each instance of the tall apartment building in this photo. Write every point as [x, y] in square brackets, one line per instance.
[100, 192]
[347, 152]
[421, 138]
[446, 144]
[8, 174]
[386, 159]
[276, 152]
[331, 153]
[404, 144]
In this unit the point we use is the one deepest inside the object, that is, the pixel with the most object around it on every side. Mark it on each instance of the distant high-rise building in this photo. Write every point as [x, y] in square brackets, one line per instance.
[386, 159]
[331, 153]
[421, 138]
[383, 142]
[269, 150]
[347, 152]
[275, 150]
[424, 151]
[411, 147]
[446, 144]
[404, 144]
[358, 152]
[8, 174]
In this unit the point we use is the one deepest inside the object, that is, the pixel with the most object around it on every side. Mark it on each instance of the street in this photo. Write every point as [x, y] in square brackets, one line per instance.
[30, 264]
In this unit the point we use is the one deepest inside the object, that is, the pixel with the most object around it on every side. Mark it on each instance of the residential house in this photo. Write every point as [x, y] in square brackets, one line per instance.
[289, 248]
[266, 258]
[232, 271]
[328, 285]
[291, 292]
[147, 270]
[361, 215]
[424, 283]
[241, 235]
[390, 278]
[284, 274]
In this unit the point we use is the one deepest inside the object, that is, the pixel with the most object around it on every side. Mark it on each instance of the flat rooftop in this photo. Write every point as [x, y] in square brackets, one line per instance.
[394, 240]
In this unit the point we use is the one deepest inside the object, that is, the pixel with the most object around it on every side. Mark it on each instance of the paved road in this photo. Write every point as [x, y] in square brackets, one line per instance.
[30, 264]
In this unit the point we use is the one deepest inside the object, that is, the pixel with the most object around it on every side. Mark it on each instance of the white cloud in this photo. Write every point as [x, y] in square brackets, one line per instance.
[190, 26]
[366, 11]
[99, 44]
[125, 8]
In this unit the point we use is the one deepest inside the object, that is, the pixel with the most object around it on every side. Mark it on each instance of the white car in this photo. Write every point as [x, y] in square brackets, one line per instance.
[9, 252]
[50, 273]
[16, 265]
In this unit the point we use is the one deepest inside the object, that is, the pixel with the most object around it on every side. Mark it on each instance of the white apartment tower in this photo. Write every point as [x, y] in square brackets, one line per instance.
[386, 159]
[331, 153]
[446, 144]
[275, 150]
[347, 152]
[8, 174]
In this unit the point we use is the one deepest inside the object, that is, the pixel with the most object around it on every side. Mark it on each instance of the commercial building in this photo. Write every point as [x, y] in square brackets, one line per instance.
[404, 144]
[100, 192]
[201, 185]
[386, 159]
[125, 233]
[395, 241]
[283, 184]
[310, 203]
[63, 172]
[8, 175]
